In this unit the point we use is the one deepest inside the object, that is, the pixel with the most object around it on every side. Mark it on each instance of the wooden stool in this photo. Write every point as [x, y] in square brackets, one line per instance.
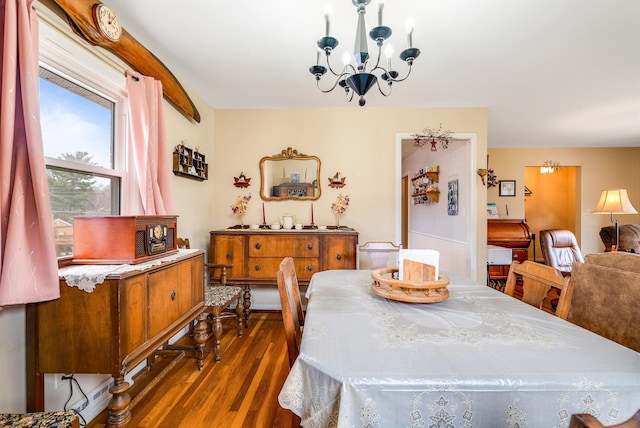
[216, 300]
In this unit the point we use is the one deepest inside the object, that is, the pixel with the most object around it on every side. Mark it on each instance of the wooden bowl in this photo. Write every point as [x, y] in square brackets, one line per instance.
[408, 291]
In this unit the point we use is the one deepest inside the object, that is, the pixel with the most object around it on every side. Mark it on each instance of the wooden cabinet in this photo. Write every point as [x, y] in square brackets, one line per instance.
[508, 233]
[256, 254]
[120, 322]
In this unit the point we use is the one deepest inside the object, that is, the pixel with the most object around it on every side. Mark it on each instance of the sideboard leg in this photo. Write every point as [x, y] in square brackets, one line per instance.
[119, 409]
[200, 337]
[247, 304]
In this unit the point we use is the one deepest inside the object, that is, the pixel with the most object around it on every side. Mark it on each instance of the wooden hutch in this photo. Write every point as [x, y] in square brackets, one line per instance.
[508, 233]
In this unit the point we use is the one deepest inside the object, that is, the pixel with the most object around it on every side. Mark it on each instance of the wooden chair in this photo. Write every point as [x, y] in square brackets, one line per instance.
[585, 420]
[183, 243]
[291, 307]
[537, 280]
[218, 297]
[379, 253]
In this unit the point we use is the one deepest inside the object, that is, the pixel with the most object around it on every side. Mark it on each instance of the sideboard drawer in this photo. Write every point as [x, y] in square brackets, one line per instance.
[286, 246]
[267, 267]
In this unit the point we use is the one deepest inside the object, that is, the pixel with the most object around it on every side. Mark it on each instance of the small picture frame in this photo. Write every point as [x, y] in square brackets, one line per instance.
[492, 210]
[295, 178]
[507, 188]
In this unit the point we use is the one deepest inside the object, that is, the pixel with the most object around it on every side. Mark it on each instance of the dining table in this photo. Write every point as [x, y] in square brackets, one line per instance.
[479, 358]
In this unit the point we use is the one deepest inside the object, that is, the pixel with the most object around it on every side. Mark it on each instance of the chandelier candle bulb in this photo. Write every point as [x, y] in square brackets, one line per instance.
[388, 53]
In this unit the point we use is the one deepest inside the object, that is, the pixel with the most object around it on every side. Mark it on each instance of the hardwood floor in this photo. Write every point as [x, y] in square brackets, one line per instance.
[239, 391]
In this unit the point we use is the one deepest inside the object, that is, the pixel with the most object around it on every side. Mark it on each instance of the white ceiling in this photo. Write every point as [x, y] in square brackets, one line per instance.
[556, 73]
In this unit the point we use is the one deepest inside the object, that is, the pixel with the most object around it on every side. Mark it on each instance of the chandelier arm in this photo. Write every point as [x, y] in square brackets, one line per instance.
[326, 91]
[343, 73]
[349, 96]
[381, 91]
[398, 79]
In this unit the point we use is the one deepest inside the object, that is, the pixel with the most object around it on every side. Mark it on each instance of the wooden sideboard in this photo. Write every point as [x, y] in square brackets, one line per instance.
[256, 254]
[508, 233]
[113, 326]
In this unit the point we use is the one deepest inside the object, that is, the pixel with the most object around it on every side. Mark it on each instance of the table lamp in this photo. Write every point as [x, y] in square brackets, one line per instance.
[614, 202]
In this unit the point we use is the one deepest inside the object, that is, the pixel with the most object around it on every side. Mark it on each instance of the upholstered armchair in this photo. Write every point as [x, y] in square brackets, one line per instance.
[629, 237]
[560, 249]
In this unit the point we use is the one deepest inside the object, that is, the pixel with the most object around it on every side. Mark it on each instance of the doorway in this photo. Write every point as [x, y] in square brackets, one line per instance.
[551, 202]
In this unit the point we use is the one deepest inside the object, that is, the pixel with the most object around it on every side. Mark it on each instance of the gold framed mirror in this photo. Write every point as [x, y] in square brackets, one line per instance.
[289, 175]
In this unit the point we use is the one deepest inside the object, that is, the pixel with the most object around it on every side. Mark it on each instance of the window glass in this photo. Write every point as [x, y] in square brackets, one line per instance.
[75, 120]
[77, 133]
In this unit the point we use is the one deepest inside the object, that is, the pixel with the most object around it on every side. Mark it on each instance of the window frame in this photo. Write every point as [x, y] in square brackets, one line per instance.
[73, 59]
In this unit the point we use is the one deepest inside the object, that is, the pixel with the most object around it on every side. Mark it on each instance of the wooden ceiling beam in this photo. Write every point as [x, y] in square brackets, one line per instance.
[80, 16]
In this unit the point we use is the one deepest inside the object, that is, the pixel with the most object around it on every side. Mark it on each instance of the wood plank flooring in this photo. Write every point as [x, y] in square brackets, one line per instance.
[239, 391]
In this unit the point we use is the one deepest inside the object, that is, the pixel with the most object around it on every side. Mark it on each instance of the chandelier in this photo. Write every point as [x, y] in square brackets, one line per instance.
[433, 137]
[360, 78]
[549, 167]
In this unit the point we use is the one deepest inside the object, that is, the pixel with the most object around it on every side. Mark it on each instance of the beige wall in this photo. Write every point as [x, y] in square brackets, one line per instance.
[600, 169]
[360, 143]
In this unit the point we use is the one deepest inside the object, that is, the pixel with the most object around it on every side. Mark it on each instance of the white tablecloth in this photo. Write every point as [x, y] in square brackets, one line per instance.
[479, 359]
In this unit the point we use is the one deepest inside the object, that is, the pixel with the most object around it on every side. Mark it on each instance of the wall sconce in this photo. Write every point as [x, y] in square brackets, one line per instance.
[549, 167]
[614, 202]
[482, 173]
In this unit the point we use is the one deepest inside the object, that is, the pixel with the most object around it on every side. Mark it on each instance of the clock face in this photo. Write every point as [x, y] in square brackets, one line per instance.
[107, 21]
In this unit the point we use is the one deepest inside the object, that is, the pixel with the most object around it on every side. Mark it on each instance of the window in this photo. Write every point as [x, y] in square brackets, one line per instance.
[80, 151]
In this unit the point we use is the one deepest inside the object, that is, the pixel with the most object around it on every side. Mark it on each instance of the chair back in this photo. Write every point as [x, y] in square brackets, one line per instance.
[379, 253]
[183, 243]
[586, 420]
[537, 280]
[560, 249]
[291, 307]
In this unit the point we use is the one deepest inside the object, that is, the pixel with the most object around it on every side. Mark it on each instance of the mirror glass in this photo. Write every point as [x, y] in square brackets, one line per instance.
[289, 175]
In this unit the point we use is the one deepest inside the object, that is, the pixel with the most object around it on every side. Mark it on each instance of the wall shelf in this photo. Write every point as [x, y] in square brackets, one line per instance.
[189, 163]
[425, 187]
[433, 196]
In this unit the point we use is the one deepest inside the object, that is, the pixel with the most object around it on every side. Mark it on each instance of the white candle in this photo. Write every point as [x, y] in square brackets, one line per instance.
[380, 7]
[327, 23]
[409, 28]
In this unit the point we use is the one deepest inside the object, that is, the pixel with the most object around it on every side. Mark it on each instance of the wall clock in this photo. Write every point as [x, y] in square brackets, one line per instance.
[107, 22]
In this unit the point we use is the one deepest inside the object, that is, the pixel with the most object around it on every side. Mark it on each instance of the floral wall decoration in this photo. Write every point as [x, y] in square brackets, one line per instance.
[492, 178]
[241, 180]
[337, 181]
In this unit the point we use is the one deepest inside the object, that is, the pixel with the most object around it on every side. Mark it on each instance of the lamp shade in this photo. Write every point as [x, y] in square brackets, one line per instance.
[614, 202]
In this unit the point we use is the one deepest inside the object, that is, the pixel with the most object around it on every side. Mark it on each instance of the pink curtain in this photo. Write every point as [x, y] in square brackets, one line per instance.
[28, 263]
[149, 140]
